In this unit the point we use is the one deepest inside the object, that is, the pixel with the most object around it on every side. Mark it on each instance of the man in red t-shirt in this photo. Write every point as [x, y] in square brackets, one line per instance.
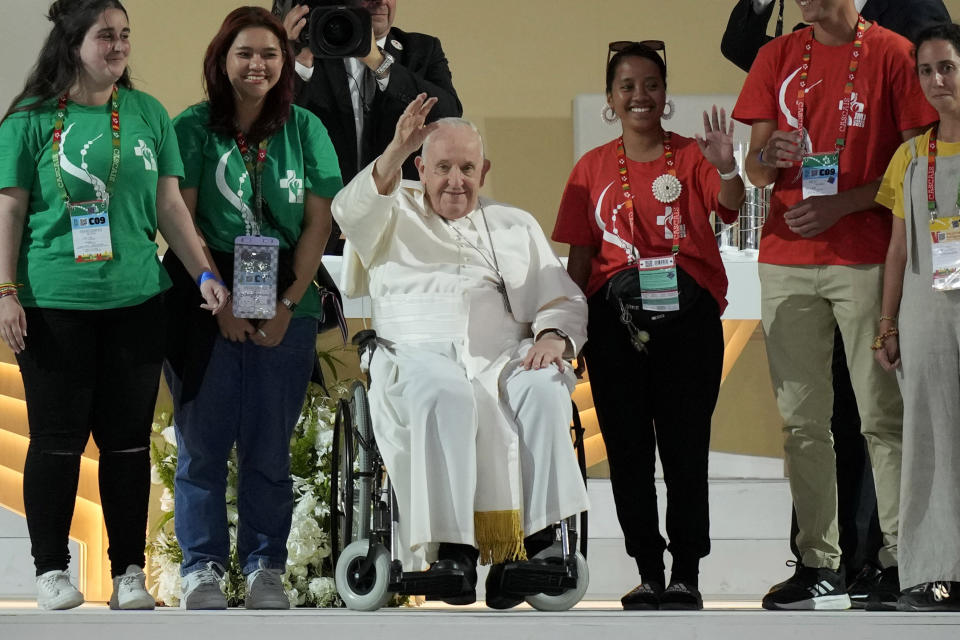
[828, 106]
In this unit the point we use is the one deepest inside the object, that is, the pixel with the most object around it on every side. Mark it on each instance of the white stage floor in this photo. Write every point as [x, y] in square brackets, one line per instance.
[592, 621]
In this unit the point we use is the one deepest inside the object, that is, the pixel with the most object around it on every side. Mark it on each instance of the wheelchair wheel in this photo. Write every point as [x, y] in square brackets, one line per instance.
[364, 447]
[567, 599]
[366, 591]
[577, 432]
[341, 482]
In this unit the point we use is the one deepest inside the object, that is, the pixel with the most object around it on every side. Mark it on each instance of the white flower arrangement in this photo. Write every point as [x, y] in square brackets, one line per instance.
[308, 578]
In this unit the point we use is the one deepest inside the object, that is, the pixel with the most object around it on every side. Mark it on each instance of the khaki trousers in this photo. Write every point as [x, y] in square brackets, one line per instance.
[800, 306]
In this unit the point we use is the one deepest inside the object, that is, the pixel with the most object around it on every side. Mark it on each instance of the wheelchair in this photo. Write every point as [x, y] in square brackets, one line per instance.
[364, 525]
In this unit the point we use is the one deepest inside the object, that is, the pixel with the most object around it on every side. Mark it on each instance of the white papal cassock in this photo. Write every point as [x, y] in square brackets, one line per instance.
[477, 448]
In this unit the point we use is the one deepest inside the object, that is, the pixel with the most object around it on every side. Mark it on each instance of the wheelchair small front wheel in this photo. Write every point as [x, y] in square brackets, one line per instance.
[567, 599]
[363, 590]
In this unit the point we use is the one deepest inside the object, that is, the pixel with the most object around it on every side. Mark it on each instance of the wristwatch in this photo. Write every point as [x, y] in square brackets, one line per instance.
[556, 331]
[383, 70]
[289, 304]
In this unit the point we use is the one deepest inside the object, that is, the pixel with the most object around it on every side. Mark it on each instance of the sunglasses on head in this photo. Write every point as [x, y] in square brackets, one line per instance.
[616, 47]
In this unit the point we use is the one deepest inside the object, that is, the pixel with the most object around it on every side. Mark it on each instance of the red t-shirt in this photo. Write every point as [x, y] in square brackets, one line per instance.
[887, 100]
[593, 192]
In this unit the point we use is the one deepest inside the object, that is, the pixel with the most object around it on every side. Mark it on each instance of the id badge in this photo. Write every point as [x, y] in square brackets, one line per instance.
[658, 284]
[945, 233]
[255, 267]
[90, 225]
[821, 174]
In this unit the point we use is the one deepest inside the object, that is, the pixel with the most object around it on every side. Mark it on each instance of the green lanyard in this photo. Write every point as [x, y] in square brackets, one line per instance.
[255, 171]
[115, 133]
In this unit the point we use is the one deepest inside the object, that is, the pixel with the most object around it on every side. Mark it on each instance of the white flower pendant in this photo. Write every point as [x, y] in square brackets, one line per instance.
[667, 188]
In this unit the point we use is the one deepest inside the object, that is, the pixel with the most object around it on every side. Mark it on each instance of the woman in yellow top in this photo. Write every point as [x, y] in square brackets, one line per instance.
[922, 286]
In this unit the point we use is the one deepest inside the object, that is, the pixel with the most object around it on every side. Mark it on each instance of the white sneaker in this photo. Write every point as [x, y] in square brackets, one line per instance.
[130, 592]
[55, 591]
[265, 590]
[203, 589]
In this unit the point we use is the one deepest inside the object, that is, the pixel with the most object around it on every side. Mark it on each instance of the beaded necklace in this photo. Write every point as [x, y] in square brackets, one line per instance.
[59, 118]
[665, 189]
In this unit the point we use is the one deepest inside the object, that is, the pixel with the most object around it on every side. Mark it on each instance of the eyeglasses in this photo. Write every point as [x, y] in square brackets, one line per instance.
[619, 45]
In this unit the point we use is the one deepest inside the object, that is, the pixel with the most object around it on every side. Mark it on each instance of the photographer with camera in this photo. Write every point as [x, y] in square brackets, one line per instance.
[360, 94]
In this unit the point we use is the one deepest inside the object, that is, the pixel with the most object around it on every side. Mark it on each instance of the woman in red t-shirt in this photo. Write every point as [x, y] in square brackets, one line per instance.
[636, 213]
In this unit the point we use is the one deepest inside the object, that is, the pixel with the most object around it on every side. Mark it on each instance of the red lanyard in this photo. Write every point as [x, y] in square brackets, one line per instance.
[255, 170]
[628, 194]
[855, 55]
[932, 177]
[115, 135]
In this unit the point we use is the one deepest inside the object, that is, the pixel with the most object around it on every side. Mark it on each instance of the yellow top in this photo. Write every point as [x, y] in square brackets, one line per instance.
[890, 193]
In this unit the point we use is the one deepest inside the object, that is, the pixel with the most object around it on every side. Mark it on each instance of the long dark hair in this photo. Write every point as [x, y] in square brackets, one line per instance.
[276, 108]
[59, 64]
[635, 50]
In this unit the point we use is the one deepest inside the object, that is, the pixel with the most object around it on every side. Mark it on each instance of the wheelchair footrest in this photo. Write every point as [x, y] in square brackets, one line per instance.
[434, 583]
[537, 576]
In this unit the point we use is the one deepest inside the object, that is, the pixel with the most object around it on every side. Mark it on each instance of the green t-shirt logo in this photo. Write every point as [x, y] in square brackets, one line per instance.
[145, 152]
[293, 185]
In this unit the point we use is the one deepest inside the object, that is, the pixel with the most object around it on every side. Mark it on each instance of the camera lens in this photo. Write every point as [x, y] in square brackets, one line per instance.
[339, 30]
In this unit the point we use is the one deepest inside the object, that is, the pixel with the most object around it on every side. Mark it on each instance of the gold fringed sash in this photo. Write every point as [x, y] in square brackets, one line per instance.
[499, 536]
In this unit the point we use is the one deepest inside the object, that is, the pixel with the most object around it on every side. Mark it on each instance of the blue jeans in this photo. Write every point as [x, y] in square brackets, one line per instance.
[251, 396]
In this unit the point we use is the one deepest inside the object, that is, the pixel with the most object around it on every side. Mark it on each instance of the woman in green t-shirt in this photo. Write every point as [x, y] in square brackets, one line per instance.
[256, 170]
[88, 175]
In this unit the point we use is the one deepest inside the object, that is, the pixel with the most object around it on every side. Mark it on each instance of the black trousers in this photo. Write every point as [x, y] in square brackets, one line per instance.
[90, 372]
[662, 400]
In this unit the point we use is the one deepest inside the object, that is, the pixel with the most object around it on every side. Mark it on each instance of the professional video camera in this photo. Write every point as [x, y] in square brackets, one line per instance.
[335, 28]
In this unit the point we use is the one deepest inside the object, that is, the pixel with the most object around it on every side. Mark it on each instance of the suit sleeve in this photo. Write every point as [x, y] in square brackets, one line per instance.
[746, 32]
[434, 79]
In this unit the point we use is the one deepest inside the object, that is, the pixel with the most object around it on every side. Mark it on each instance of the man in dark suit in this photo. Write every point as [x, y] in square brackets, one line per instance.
[747, 28]
[360, 100]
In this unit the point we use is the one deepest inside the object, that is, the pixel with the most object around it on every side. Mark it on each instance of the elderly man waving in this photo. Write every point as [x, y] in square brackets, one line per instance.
[474, 316]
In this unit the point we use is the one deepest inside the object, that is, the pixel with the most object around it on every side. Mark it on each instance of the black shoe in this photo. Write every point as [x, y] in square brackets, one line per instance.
[459, 557]
[865, 582]
[496, 597]
[681, 596]
[885, 592]
[808, 589]
[643, 597]
[931, 596]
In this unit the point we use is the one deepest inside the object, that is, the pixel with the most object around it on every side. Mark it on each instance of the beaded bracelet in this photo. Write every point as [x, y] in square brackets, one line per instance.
[880, 339]
[9, 289]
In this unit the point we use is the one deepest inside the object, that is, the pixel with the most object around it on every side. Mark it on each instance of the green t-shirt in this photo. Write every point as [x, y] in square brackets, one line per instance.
[300, 158]
[50, 275]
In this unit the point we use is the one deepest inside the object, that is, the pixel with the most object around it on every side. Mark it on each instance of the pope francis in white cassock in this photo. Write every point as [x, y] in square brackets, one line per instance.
[474, 314]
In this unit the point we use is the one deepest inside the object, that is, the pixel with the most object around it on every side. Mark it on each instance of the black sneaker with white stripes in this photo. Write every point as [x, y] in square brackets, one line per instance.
[810, 588]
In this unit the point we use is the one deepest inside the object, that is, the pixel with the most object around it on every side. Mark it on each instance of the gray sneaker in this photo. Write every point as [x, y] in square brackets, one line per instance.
[55, 591]
[203, 589]
[130, 592]
[265, 590]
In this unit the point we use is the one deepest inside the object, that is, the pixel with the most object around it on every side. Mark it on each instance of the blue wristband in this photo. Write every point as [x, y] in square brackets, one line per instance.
[207, 275]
